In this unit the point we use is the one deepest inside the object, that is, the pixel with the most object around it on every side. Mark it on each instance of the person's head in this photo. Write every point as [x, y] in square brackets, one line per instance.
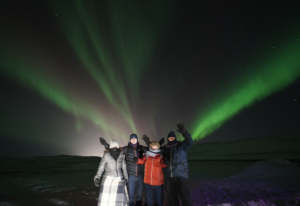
[113, 144]
[154, 145]
[133, 138]
[171, 136]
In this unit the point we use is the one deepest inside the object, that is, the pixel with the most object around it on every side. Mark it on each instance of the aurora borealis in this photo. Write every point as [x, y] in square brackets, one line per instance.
[73, 71]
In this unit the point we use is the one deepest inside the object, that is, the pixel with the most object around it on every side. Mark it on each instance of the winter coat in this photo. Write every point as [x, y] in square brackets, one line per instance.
[112, 167]
[153, 169]
[176, 158]
[131, 152]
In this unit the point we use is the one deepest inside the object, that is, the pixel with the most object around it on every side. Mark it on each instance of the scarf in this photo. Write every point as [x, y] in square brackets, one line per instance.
[133, 145]
[152, 152]
[172, 143]
[114, 152]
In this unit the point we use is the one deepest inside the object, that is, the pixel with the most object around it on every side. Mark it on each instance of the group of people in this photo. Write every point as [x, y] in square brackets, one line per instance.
[122, 176]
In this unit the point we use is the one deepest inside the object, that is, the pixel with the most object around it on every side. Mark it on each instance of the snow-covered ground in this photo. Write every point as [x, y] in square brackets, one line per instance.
[68, 180]
[269, 182]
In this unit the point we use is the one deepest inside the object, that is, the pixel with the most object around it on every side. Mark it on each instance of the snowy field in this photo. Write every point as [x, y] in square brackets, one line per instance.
[68, 180]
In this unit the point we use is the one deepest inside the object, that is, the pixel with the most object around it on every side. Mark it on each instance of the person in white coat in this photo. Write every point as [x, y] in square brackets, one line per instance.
[112, 167]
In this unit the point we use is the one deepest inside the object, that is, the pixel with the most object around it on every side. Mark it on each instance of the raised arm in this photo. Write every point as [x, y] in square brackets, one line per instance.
[188, 141]
[147, 140]
[104, 143]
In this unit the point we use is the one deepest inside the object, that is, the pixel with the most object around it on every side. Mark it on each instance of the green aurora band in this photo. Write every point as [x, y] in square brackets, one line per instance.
[27, 71]
[274, 74]
[100, 36]
[98, 39]
[121, 34]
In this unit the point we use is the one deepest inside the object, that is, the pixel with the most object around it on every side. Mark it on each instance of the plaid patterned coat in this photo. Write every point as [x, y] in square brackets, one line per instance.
[113, 191]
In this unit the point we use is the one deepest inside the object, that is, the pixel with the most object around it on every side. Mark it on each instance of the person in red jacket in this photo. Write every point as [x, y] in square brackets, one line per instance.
[154, 177]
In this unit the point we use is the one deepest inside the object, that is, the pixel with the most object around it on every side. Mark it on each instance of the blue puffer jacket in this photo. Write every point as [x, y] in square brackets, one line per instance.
[176, 158]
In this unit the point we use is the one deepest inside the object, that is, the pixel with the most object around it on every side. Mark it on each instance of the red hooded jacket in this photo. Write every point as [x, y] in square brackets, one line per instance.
[153, 169]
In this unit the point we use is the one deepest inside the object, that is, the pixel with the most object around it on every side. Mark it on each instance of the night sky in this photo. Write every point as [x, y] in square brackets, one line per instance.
[73, 71]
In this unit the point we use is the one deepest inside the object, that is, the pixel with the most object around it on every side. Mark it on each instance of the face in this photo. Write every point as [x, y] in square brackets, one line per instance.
[154, 147]
[171, 139]
[133, 141]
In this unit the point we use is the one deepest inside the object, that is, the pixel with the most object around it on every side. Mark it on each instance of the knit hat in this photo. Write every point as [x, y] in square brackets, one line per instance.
[113, 143]
[133, 136]
[172, 134]
[174, 142]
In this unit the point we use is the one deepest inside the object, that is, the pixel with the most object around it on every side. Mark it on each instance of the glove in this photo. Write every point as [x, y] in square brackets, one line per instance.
[161, 141]
[125, 181]
[146, 140]
[97, 182]
[135, 159]
[104, 143]
[181, 128]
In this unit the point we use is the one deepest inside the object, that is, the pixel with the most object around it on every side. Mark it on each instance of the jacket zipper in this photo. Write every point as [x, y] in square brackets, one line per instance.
[117, 167]
[152, 169]
[135, 163]
[171, 160]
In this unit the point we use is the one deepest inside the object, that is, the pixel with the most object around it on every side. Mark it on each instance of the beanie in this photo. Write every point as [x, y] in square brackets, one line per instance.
[133, 136]
[172, 134]
[113, 143]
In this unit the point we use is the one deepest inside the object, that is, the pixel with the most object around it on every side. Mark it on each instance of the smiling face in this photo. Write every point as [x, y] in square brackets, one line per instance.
[171, 139]
[133, 141]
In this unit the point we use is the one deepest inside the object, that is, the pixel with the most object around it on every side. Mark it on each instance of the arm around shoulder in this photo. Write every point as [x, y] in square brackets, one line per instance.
[142, 160]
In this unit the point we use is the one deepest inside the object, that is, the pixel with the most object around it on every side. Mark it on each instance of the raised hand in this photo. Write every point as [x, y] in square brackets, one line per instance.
[161, 141]
[104, 143]
[135, 159]
[181, 128]
[146, 140]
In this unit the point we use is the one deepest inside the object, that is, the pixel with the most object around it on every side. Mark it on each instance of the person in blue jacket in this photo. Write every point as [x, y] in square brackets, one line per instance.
[177, 174]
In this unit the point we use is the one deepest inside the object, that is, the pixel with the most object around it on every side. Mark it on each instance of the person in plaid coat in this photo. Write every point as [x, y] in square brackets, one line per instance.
[113, 191]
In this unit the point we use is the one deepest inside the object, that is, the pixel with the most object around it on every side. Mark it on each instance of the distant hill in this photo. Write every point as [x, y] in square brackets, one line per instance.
[249, 149]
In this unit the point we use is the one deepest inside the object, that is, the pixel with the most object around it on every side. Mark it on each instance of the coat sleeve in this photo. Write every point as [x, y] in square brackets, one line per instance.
[124, 168]
[187, 142]
[144, 149]
[125, 150]
[162, 162]
[101, 167]
[142, 161]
